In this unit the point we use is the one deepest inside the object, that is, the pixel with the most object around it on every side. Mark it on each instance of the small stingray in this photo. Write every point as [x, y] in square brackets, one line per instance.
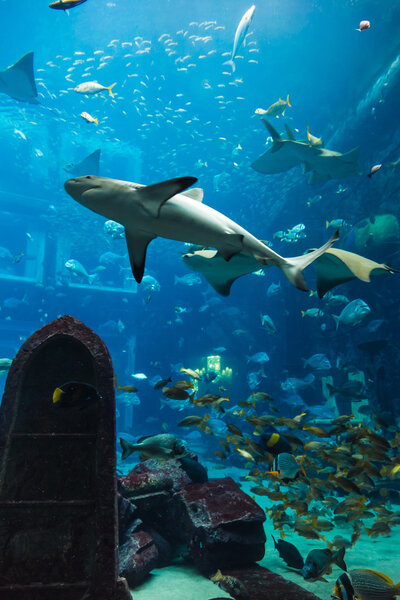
[323, 164]
[18, 81]
[87, 166]
[338, 266]
[332, 268]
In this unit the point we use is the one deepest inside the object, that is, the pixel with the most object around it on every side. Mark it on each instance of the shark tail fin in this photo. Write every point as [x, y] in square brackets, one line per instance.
[231, 63]
[293, 267]
[287, 101]
[110, 88]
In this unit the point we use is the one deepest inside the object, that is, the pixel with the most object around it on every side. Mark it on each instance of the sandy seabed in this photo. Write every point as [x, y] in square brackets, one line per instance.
[183, 582]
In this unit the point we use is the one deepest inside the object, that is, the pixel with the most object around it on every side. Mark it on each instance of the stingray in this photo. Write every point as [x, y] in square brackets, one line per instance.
[323, 164]
[338, 266]
[18, 81]
[332, 268]
[87, 166]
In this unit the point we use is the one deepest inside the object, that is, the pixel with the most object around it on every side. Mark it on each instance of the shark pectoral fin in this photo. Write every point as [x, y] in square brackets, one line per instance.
[194, 194]
[271, 130]
[152, 197]
[233, 244]
[137, 246]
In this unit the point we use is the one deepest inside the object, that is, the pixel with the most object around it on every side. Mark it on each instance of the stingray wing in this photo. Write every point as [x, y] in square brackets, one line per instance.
[18, 81]
[338, 266]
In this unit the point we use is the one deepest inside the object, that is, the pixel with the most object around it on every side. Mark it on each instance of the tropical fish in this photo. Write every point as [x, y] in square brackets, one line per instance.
[78, 269]
[88, 118]
[93, 87]
[278, 107]
[363, 25]
[320, 362]
[268, 324]
[162, 383]
[286, 467]
[365, 584]
[294, 384]
[75, 394]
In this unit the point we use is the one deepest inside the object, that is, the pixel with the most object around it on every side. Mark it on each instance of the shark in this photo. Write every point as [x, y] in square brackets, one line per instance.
[321, 163]
[333, 267]
[18, 81]
[90, 164]
[170, 210]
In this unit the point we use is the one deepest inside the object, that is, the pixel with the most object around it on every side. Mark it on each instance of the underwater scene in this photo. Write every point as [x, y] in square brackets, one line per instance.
[212, 187]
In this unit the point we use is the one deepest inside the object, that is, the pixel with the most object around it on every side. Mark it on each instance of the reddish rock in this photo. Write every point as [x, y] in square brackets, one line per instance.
[154, 476]
[137, 557]
[258, 583]
[222, 526]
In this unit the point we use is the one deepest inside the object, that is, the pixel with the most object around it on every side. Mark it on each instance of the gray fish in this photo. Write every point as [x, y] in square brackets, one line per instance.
[353, 313]
[319, 562]
[289, 553]
[162, 445]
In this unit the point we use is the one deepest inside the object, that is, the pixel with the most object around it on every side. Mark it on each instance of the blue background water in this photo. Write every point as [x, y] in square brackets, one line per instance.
[342, 82]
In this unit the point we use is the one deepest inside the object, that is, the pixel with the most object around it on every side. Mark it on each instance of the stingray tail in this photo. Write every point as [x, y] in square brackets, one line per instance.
[293, 267]
[231, 63]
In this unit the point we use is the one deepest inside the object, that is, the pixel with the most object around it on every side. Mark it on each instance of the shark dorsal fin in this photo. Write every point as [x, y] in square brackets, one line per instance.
[194, 194]
[290, 133]
[272, 131]
[152, 197]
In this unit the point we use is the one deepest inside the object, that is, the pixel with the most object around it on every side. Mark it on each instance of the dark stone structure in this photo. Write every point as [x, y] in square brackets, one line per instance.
[58, 519]
[258, 583]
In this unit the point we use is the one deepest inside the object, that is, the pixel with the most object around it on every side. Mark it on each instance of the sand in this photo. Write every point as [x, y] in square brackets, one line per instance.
[183, 582]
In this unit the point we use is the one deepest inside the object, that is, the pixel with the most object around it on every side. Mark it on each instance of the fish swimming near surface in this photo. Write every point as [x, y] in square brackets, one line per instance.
[240, 35]
[365, 584]
[65, 4]
[321, 163]
[162, 445]
[75, 394]
[319, 562]
[18, 81]
[165, 209]
[90, 164]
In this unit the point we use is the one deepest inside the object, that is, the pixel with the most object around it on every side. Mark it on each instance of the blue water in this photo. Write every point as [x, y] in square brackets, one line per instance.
[169, 119]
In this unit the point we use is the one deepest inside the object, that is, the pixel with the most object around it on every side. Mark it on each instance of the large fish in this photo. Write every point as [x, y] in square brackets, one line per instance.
[165, 209]
[240, 34]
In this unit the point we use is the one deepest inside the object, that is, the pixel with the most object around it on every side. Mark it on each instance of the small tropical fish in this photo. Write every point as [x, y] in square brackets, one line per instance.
[131, 389]
[75, 394]
[5, 364]
[363, 26]
[365, 584]
[93, 87]
[78, 269]
[191, 421]
[312, 140]
[176, 393]
[286, 468]
[88, 118]
[139, 375]
[320, 362]
[278, 107]
[190, 372]
[336, 223]
[230, 584]
[312, 312]
[373, 170]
